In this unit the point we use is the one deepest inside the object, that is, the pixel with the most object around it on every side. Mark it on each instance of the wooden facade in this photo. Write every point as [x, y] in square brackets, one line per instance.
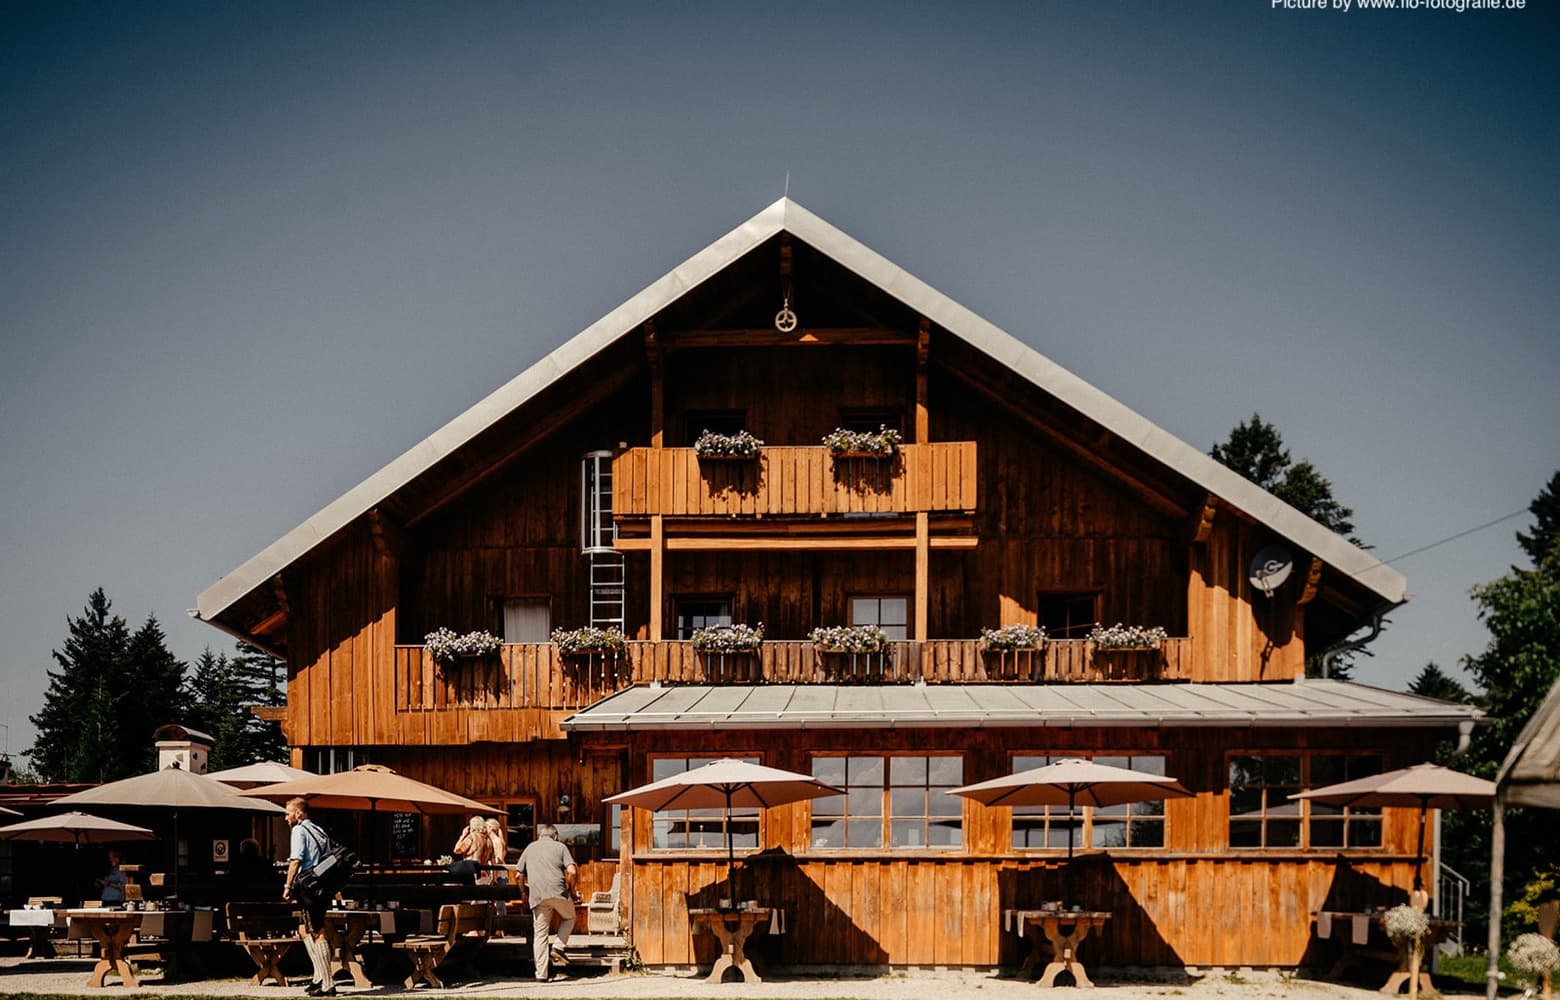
[1003, 502]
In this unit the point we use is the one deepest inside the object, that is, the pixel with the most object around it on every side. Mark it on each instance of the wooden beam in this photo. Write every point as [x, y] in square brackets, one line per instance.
[389, 539]
[657, 386]
[802, 336]
[923, 565]
[1313, 580]
[1203, 528]
[710, 543]
[923, 353]
[279, 591]
[656, 543]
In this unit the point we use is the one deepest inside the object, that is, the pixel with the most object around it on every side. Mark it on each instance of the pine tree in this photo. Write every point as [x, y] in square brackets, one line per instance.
[223, 690]
[1256, 450]
[1546, 512]
[1433, 682]
[78, 706]
[153, 695]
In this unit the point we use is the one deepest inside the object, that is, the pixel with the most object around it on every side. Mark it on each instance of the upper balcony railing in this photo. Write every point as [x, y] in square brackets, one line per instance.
[939, 476]
[536, 675]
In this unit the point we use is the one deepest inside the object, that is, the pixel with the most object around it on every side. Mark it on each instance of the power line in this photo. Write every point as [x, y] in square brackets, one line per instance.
[1453, 538]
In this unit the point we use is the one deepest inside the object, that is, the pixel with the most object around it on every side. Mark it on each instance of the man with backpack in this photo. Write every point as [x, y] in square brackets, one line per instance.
[308, 845]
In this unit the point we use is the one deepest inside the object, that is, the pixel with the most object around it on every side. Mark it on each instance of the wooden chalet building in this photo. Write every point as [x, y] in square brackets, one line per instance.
[571, 495]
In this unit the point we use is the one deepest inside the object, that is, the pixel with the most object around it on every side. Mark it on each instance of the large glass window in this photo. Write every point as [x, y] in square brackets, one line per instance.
[699, 829]
[1262, 814]
[891, 614]
[900, 801]
[1132, 824]
[700, 612]
[1068, 616]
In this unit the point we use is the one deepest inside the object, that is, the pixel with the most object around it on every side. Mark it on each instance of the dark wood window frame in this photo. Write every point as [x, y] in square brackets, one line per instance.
[1138, 820]
[1264, 817]
[1060, 604]
[708, 824]
[846, 822]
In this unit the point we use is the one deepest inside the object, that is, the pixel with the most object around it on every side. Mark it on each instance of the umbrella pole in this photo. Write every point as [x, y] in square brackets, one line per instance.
[1072, 795]
[731, 857]
[1419, 850]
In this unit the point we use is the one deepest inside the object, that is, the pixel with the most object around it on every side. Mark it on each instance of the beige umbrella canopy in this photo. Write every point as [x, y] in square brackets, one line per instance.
[726, 784]
[75, 828]
[266, 772]
[1423, 787]
[371, 787]
[1069, 782]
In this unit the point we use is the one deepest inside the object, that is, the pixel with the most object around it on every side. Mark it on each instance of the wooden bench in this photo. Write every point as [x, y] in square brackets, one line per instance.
[266, 931]
[463, 927]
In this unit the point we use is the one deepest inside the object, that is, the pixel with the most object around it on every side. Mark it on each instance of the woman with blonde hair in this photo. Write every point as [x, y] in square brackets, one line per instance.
[499, 843]
[472, 851]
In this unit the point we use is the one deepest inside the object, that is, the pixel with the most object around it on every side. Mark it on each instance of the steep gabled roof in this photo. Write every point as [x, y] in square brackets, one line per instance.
[787, 216]
[1530, 775]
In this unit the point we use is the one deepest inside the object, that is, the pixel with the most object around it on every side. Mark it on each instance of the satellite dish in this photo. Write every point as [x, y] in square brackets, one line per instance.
[1270, 568]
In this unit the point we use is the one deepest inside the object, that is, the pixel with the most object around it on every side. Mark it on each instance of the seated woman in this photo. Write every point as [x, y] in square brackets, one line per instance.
[472, 850]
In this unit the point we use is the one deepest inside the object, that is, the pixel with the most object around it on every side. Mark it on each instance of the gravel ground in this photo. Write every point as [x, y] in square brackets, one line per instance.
[67, 977]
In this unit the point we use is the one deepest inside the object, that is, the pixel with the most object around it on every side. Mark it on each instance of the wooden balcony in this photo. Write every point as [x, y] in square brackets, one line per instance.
[794, 481]
[536, 676]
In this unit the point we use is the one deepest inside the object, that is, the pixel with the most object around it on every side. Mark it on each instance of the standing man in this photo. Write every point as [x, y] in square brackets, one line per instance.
[308, 845]
[546, 874]
[113, 884]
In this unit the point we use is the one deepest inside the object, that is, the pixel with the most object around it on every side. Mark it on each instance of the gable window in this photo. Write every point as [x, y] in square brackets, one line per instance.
[891, 614]
[699, 829]
[1068, 616]
[1133, 824]
[525, 619]
[696, 422]
[700, 612]
[900, 801]
[1262, 814]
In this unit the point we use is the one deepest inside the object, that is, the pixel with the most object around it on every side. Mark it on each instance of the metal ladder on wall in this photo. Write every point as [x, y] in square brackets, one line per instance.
[607, 575]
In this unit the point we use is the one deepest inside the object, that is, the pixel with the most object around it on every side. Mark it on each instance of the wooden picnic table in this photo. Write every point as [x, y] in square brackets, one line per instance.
[112, 930]
[1352, 931]
[732, 929]
[1050, 922]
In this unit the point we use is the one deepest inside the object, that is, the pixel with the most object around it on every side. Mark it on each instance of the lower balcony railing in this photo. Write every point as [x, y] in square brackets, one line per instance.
[536, 675]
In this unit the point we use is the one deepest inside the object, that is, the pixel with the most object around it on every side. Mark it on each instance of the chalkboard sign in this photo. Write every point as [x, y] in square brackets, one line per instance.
[405, 835]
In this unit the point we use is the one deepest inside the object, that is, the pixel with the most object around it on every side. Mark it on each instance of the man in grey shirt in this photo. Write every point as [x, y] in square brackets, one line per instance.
[546, 876]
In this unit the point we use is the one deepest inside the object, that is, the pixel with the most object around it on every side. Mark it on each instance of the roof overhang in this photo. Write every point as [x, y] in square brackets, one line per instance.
[1309, 703]
[1386, 584]
[1530, 774]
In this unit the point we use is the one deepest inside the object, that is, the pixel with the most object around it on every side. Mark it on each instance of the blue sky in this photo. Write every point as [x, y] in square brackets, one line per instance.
[251, 252]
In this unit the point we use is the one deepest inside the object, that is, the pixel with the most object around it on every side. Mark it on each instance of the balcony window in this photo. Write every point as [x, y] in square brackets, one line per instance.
[1262, 814]
[696, 422]
[1068, 616]
[525, 619]
[1133, 824]
[891, 614]
[700, 612]
[861, 418]
[699, 829]
[900, 801]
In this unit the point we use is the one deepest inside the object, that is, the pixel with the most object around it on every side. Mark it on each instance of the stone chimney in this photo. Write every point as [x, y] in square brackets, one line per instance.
[178, 746]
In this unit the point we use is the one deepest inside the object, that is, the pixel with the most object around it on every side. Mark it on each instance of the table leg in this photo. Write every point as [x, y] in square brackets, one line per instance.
[1064, 948]
[39, 945]
[343, 946]
[111, 941]
[1033, 958]
[732, 951]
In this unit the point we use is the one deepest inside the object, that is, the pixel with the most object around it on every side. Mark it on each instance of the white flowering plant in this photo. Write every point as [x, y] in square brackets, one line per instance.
[738, 445]
[448, 646]
[728, 638]
[1119, 636]
[849, 639]
[880, 443]
[1011, 637]
[1533, 953]
[1405, 923]
[588, 639]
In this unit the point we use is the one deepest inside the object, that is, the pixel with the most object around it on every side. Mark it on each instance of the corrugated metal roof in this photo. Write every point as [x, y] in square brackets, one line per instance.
[786, 215]
[820, 706]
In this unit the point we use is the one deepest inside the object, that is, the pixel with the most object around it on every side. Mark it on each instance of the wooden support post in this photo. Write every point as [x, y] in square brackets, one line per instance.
[923, 565]
[657, 573]
[657, 387]
[923, 350]
[1497, 873]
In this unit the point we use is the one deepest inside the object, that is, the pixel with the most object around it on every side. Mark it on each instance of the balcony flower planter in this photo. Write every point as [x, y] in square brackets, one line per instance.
[1012, 639]
[449, 648]
[587, 640]
[725, 640]
[1119, 638]
[848, 639]
[878, 444]
[738, 447]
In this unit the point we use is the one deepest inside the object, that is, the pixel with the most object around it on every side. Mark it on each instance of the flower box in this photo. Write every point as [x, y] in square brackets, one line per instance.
[881, 443]
[1011, 639]
[723, 639]
[1127, 638]
[849, 639]
[588, 640]
[448, 647]
[738, 447]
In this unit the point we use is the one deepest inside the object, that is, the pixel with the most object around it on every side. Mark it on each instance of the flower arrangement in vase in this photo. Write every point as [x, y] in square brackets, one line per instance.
[588, 639]
[448, 647]
[1119, 636]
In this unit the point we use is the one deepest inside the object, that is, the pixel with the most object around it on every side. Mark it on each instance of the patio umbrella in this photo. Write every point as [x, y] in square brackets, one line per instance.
[1071, 781]
[1423, 786]
[266, 772]
[726, 784]
[75, 828]
[171, 788]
